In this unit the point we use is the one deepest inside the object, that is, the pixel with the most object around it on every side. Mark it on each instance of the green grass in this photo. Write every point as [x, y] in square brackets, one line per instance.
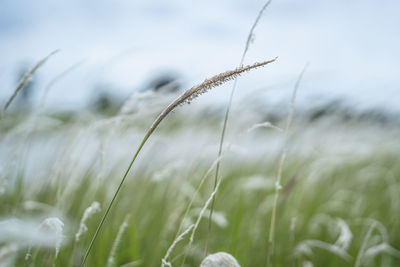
[356, 189]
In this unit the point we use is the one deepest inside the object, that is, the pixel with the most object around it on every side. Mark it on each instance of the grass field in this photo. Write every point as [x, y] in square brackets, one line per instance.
[317, 186]
[339, 204]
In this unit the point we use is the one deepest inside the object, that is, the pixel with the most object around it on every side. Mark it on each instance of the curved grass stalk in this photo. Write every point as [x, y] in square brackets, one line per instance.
[227, 112]
[186, 97]
[27, 77]
[111, 258]
[164, 261]
[216, 161]
[363, 248]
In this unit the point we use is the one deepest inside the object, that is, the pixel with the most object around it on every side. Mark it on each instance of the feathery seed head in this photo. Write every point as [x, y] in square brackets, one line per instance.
[218, 80]
[89, 211]
[186, 97]
[220, 259]
[54, 226]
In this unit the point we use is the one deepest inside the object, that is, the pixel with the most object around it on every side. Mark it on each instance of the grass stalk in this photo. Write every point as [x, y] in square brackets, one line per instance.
[361, 252]
[196, 225]
[278, 186]
[111, 262]
[186, 97]
[164, 261]
[250, 129]
[226, 117]
[25, 79]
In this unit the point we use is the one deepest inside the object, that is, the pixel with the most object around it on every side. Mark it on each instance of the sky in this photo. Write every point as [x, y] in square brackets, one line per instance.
[352, 47]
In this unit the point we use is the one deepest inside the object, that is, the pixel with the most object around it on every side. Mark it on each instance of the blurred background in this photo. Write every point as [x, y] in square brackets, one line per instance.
[68, 136]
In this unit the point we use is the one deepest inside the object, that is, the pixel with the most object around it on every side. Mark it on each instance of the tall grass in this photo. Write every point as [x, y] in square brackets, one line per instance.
[331, 201]
[25, 79]
[186, 97]
[359, 190]
[278, 185]
[227, 112]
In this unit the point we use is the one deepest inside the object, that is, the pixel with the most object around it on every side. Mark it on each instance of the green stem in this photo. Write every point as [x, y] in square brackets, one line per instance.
[186, 97]
[114, 197]
[226, 117]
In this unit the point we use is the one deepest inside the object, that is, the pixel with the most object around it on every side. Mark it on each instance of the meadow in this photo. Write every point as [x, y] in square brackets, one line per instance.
[270, 185]
[338, 205]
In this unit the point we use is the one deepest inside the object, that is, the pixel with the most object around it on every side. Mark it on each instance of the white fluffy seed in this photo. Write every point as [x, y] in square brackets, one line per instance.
[220, 259]
[89, 211]
[54, 226]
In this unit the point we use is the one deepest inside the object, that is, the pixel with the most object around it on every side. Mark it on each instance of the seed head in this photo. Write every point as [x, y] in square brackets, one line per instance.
[220, 259]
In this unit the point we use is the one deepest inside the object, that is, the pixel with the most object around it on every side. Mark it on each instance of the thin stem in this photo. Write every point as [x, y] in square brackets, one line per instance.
[278, 186]
[113, 200]
[226, 118]
[25, 79]
[364, 245]
[186, 97]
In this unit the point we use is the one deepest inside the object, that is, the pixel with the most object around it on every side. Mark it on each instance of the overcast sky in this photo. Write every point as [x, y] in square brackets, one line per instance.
[352, 46]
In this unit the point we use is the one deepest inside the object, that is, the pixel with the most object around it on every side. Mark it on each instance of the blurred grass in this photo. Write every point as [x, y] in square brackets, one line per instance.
[357, 189]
